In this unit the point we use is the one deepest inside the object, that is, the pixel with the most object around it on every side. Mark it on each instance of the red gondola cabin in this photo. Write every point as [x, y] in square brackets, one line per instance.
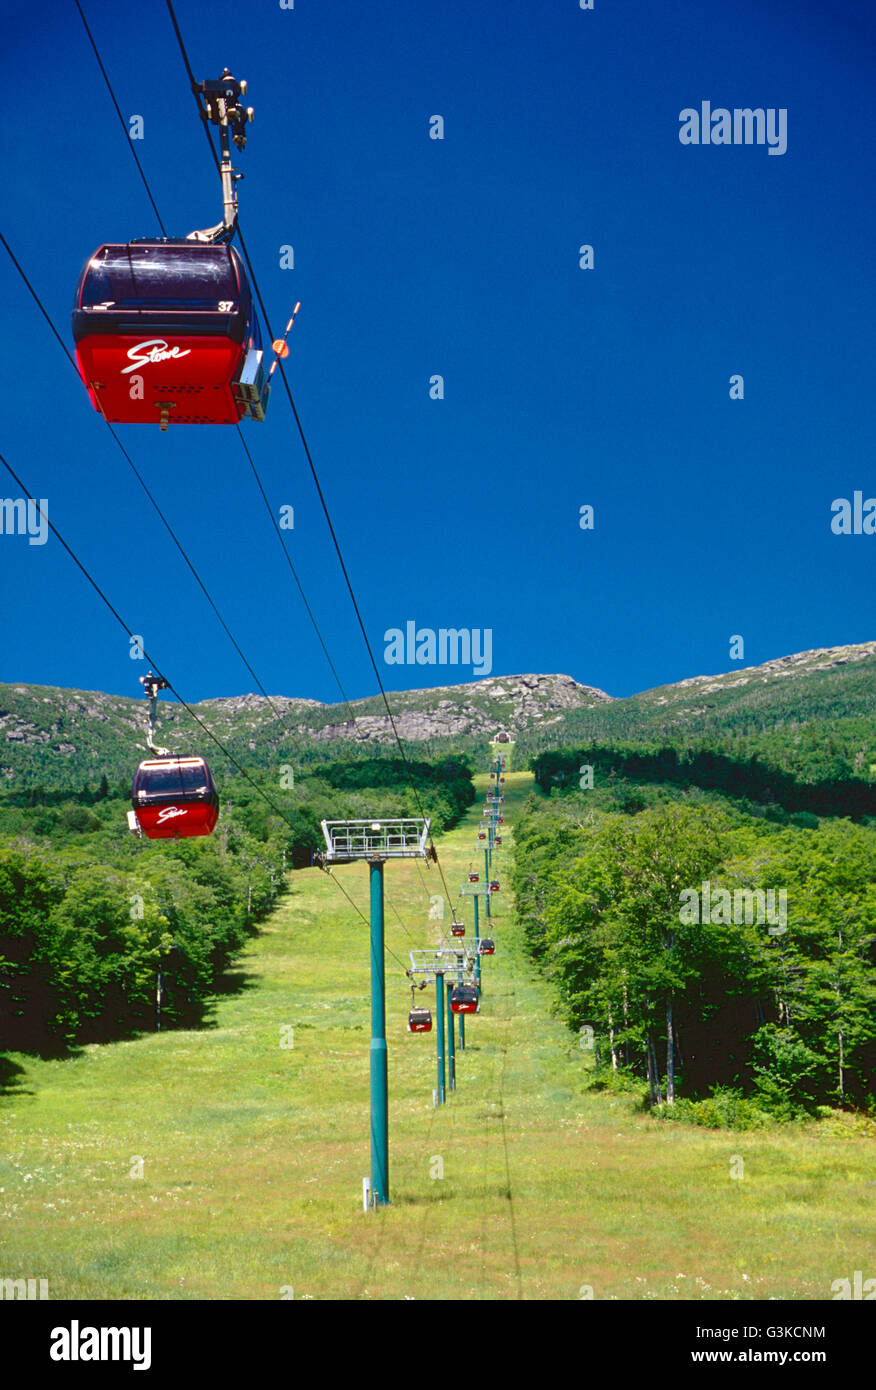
[463, 999]
[166, 333]
[175, 797]
[420, 1021]
[457, 928]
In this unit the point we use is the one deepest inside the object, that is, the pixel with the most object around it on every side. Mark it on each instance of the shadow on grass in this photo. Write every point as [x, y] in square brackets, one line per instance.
[11, 1078]
[232, 982]
[195, 1015]
[201, 1016]
[440, 1192]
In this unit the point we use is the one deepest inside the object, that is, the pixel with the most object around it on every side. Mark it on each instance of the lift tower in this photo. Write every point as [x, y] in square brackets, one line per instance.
[375, 841]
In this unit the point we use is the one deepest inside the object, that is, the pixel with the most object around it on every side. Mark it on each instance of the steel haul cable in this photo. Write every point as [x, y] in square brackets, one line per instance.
[304, 599]
[151, 197]
[64, 349]
[120, 620]
[244, 445]
[37, 299]
[121, 117]
[193, 84]
[141, 480]
[216, 741]
[163, 518]
[123, 624]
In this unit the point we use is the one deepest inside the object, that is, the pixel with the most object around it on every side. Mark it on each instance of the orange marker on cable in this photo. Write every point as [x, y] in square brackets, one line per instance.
[280, 346]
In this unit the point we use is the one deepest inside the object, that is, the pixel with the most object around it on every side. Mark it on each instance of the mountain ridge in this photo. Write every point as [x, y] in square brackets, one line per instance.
[86, 730]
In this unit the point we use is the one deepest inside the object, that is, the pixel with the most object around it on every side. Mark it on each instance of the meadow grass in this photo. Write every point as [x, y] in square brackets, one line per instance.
[253, 1154]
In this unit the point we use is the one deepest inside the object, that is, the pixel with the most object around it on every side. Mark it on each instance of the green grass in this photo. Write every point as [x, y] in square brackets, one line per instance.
[253, 1155]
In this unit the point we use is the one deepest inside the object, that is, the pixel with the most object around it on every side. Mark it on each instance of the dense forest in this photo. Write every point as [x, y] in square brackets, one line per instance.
[717, 950]
[89, 914]
[814, 778]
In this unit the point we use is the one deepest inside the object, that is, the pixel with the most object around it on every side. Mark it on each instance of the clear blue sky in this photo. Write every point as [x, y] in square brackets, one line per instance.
[460, 257]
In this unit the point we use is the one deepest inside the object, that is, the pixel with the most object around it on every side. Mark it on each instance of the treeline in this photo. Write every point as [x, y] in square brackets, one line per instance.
[726, 1012]
[445, 788]
[82, 939]
[741, 777]
[352, 788]
[90, 914]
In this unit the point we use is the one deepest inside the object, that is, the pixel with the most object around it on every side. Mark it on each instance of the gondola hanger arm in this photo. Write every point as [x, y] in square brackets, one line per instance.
[151, 685]
[219, 101]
